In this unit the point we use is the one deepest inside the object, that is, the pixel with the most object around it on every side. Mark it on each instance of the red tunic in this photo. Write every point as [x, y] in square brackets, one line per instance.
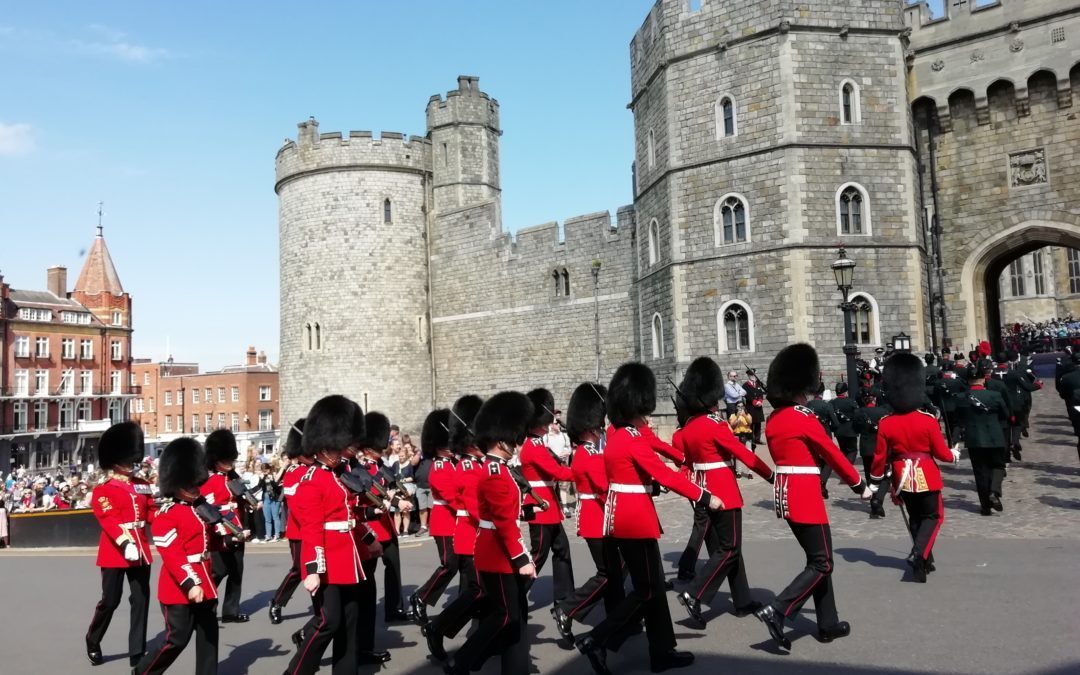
[710, 448]
[288, 488]
[499, 546]
[591, 481]
[382, 524]
[911, 442]
[668, 450]
[466, 504]
[217, 493]
[443, 481]
[123, 507]
[632, 466]
[324, 509]
[796, 440]
[540, 467]
[183, 542]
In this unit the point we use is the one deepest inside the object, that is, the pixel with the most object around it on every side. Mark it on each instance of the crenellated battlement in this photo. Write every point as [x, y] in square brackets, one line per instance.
[465, 105]
[976, 17]
[314, 151]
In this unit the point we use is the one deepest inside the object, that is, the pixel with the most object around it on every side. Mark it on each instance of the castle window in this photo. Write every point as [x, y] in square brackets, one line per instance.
[1037, 270]
[1073, 256]
[735, 324]
[1016, 278]
[730, 219]
[650, 149]
[865, 319]
[850, 112]
[852, 210]
[726, 124]
[566, 282]
[318, 336]
[558, 283]
[657, 337]
[387, 211]
[307, 338]
[654, 242]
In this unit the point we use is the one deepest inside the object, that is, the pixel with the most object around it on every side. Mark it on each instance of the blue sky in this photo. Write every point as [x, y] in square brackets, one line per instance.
[171, 113]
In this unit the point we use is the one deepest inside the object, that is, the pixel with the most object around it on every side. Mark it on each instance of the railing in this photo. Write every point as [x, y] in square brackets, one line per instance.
[11, 392]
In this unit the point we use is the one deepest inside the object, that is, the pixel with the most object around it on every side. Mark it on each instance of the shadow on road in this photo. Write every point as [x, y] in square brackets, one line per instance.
[242, 657]
[1058, 502]
[862, 555]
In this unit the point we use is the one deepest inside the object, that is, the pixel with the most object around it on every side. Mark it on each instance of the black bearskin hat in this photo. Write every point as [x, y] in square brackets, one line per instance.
[461, 429]
[929, 358]
[435, 434]
[586, 410]
[294, 439]
[793, 372]
[376, 431]
[182, 465]
[702, 386]
[334, 423]
[631, 394]
[220, 447]
[503, 418]
[841, 388]
[543, 408]
[904, 380]
[121, 444]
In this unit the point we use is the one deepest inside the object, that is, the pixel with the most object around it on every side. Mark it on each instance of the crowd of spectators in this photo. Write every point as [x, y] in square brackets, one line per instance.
[1042, 337]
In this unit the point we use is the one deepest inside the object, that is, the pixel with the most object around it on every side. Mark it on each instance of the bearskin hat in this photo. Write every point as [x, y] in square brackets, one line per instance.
[334, 423]
[503, 418]
[904, 381]
[376, 431]
[586, 410]
[294, 438]
[220, 447]
[793, 372]
[182, 465]
[631, 394]
[841, 388]
[121, 444]
[543, 408]
[929, 358]
[435, 434]
[461, 419]
[702, 386]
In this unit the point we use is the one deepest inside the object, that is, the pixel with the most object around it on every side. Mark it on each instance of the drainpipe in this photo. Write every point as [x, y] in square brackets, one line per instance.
[936, 230]
[928, 247]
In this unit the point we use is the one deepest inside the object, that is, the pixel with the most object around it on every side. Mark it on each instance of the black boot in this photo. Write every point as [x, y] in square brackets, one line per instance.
[668, 660]
[918, 567]
[841, 629]
[775, 623]
[995, 503]
[298, 638]
[373, 658]
[435, 645]
[595, 653]
[419, 609]
[563, 623]
[134, 659]
[275, 614]
[877, 510]
[748, 609]
[93, 653]
[693, 607]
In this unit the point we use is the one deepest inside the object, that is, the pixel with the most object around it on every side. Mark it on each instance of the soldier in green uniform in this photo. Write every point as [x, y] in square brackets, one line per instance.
[867, 418]
[953, 390]
[1014, 386]
[845, 407]
[985, 413]
[825, 414]
[1068, 387]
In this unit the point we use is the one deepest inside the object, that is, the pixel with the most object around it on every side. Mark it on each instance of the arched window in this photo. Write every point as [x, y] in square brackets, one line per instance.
[850, 112]
[387, 211]
[650, 149]
[308, 336]
[726, 122]
[558, 282]
[735, 327]
[865, 319]
[657, 337]
[566, 282]
[852, 210]
[654, 242]
[731, 219]
[318, 336]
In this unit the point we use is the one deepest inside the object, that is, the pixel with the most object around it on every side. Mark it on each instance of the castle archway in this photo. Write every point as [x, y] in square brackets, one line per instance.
[979, 288]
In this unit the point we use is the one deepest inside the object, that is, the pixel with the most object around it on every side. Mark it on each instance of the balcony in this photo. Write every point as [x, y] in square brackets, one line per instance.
[75, 393]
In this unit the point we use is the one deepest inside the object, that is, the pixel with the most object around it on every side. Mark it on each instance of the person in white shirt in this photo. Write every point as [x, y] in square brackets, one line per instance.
[733, 393]
[559, 443]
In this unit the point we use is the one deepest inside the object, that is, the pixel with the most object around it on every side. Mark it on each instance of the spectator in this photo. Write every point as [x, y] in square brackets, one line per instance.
[558, 442]
[271, 499]
[733, 392]
[421, 471]
[251, 476]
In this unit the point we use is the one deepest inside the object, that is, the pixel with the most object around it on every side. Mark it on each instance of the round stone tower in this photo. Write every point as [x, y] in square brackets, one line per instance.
[354, 289]
[464, 132]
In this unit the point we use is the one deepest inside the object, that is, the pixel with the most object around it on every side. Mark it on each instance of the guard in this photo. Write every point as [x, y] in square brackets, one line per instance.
[867, 419]
[985, 417]
[435, 444]
[228, 553]
[289, 481]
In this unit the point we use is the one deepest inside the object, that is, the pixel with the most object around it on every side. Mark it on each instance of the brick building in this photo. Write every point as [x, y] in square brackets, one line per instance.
[65, 365]
[177, 400]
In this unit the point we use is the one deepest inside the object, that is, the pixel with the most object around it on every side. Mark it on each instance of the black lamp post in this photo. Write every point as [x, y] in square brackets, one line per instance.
[596, 312]
[844, 271]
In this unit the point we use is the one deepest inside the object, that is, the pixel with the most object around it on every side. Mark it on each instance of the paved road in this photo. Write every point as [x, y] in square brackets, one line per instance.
[1003, 601]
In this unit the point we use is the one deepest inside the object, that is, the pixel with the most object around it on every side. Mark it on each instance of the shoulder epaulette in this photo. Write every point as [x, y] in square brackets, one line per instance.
[165, 506]
[466, 464]
[633, 432]
[310, 472]
[928, 414]
[593, 449]
[804, 410]
[715, 417]
[493, 468]
[439, 464]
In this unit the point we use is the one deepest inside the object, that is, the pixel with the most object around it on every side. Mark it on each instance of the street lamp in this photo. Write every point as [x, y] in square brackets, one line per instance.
[844, 271]
[901, 342]
[596, 311]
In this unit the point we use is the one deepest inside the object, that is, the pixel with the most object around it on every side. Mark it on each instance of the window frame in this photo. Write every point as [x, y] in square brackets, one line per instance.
[720, 118]
[721, 328]
[22, 346]
[1072, 261]
[875, 319]
[650, 149]
[269, 392]
[388, 211]
[718, 224]
[865, 211]
[656, 331]
[855, 103]
[653, 242]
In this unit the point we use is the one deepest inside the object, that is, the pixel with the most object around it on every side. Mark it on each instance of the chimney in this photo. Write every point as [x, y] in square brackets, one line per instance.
[57, 281]
[262, 358]
[251, 356]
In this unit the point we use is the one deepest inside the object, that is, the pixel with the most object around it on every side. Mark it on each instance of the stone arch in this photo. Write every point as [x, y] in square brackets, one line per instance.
[1042, 87]
[962, 107]
[1001, 97]
[979, 289]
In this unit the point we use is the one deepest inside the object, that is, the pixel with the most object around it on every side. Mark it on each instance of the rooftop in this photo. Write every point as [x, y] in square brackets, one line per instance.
[98, 273]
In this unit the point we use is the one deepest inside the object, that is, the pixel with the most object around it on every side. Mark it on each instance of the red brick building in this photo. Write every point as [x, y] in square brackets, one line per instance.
[65, 365]
[177, 400]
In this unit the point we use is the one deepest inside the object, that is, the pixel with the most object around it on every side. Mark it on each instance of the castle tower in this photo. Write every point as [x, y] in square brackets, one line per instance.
[354, 303]
[464, 132]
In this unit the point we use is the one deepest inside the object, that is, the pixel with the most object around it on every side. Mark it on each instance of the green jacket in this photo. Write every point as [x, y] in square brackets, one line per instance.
[826, 415]
[866, 424]
[953, 391]
[985, 414]
[1069, 387]
[845, 408]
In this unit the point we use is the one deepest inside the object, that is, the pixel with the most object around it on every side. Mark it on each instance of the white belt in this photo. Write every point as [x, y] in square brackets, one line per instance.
[487, 525]
[709, 466]
[541, 483]
[462, 513]
[339, 525]
[439, 502]
[137, 525]
[628, 488]
[797, 469]
[228, 506]
[582, 495]
[198, 557]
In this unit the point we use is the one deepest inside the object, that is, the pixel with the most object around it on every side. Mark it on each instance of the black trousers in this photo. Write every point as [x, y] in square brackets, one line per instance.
[449, 565]
[466, 606]
[551, 539]
[502, 626]
[292, 577]
[367, 598]
[336, 609]
[579, 603]
[229, 565]
[757, 418]
[878, 498]
[849, 447]
[815, 579]
[698, 535]
[391, 557]
[647, 598]
[926, 513]
[180, 622]
[954, 427]
[988, 464]
[112, 589]
[726, 561]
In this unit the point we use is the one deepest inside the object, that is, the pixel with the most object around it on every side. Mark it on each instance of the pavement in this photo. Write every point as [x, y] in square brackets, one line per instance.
[1004, 598]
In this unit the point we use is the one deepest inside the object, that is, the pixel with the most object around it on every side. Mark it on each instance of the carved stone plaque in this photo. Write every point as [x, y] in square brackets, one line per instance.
[1027, 168]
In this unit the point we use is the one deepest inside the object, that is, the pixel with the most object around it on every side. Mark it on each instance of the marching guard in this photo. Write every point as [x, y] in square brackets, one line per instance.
[797, 442]
[435, 443]
[908, 441]
[123, 505]
[755, 405]
[289, 481]
[867, 419]
[228, 553]
[985, 415]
